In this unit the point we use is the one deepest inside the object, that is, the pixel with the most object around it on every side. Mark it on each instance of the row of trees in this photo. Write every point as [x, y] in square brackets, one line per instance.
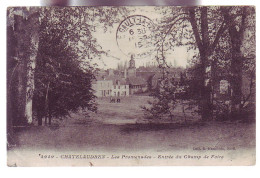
[50, 64]
[223, 40]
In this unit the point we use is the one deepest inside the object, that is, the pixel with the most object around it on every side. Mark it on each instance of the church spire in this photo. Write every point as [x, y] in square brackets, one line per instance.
[131, 70]
[132, 62]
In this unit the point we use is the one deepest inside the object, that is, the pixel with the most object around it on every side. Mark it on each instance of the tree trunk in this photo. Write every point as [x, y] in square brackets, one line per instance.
[236, 37]
[11, 84]
[39, 121]
[204, 50]
[10, 133]
[205, 91]
[45, 120]
[49, 116]
[26, 30]
[236, 82]
[39, 116]
[20, 119]
[33, 24]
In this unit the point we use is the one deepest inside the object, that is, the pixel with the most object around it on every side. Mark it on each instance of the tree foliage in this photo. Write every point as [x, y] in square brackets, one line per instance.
[216, 36]
[164, 99]
[62, 85]
[66, 52]
[65, 59]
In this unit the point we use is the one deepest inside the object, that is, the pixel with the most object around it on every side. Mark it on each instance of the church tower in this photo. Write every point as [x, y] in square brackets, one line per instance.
[131, 70]
[132, 62]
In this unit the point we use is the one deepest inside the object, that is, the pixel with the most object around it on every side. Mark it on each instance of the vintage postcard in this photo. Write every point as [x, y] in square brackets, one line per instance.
[131, 86]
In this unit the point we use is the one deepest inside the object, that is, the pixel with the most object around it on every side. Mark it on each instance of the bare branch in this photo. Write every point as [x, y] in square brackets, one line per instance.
[221, 30]
[194, 27]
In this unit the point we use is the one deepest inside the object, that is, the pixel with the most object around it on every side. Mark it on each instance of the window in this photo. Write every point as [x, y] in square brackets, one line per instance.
[223, 86]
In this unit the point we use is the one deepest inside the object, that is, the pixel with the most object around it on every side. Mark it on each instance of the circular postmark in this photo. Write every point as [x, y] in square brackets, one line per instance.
[135, 36]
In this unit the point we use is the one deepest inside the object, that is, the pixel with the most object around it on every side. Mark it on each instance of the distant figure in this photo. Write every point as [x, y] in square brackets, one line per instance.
[112, 100]
[118, 100]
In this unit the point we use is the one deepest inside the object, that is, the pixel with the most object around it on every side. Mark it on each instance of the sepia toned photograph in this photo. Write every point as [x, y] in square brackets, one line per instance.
[131, 86]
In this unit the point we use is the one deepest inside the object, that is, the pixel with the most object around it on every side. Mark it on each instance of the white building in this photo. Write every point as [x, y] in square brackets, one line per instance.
[120, 88]
[110, 86]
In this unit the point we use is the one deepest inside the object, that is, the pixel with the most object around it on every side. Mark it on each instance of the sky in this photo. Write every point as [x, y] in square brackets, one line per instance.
[108, 42]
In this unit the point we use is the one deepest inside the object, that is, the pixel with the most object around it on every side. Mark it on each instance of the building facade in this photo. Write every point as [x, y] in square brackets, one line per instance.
[120, 89]
[110, 87]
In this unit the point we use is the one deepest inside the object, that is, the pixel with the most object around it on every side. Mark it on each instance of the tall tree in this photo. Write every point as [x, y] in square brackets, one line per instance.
[25, 24]
[74, 26]
[218, 33]
[22, 47]
[33, 28]
[241, 33]
[207, 39]
[199, 29]
[65, 61]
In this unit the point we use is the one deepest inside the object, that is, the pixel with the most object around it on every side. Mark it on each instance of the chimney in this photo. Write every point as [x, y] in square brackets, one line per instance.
[125, 73]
